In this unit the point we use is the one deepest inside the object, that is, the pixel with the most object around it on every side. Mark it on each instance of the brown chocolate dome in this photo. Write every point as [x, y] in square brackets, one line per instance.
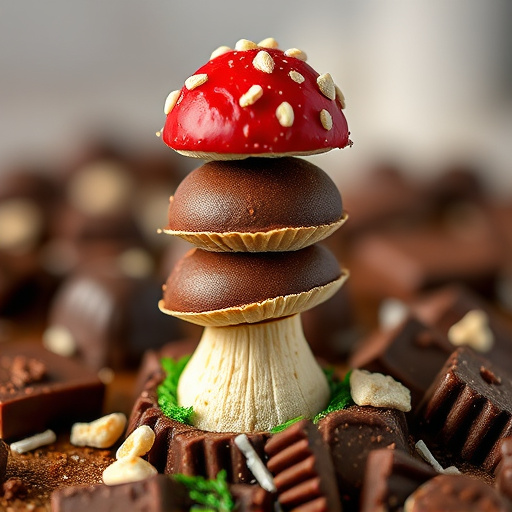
[275, 200]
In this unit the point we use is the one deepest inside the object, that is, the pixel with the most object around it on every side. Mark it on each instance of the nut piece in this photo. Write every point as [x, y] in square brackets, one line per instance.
[340, 96]
[33, 442]
[473, 330]
[245, 44]
[263, 62]
[251, 96]
[285, 115]
[100, 433]
[326, 86]
[171, 101]
[326, 119]
[296, 53]
[128, 469]
[221, 50]
[379, 390]
[195, 81]
[296, 76]
[269, 42]
[138, 443]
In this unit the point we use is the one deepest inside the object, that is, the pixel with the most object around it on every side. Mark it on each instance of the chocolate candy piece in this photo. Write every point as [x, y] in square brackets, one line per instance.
[390, 477]
[180, 448]
[158, 493]
[412, 353]
[40, 390]
[303, 469]
[503, 480]
[252, 498]
[454, 493]
[351, 434]
[469, 407]
[4, 454]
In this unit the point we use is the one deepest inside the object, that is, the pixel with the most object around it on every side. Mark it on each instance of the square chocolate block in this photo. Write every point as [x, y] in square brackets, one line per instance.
[40, 390]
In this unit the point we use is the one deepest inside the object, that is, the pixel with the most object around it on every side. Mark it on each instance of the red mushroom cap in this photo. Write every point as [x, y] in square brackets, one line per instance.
[260, 101]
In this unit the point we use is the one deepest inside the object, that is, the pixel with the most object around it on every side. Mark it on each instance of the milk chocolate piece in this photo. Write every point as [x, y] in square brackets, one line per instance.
[4, 454]
[181, 448]
[158, 493]
[503, 472]
[351, 434]
[453, 493]
[469, 408]
[390, 477]
[412, 353]
[303, 469]
[40, 390]
[252, 498]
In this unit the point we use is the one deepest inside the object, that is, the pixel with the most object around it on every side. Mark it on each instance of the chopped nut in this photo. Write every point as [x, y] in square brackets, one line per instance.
[340, 97]
[326, 85]
[269, 42]
[33, 442]
[473, 330]
[263, 62]
[379, 390]
[171, 101]
[251, 96]
[138, 443]
[326, 119]
[195, 81]
[100, 433]
[128, 469]
[59, 340]
[285, 115]
[296, 76]
[296, 53]
[221, 50]
[245, 44]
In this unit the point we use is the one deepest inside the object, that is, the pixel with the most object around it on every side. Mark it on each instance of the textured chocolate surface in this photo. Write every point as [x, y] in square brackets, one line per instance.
[252, 498]
[254, 195]
[390, 477]
[351, 434]
[412, 353]
[456, 493]
[155, 494]
[303, 470]
[40, 390]
[4, 454]
[207, 281]
[469, 406]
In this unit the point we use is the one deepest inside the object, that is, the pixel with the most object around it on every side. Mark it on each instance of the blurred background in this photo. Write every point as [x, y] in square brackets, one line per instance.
[425, 82]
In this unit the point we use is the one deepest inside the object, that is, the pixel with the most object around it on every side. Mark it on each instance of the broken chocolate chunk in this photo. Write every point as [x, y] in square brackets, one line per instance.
[4, 455]
[303, 469]
[469, 407]
[252, 498]
[503, 472]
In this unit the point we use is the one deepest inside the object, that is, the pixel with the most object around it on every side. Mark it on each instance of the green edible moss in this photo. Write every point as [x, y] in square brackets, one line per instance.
[168, 391]
[210, 495]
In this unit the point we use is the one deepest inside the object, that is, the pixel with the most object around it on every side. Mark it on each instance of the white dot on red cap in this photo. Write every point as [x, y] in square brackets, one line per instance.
[263, 62]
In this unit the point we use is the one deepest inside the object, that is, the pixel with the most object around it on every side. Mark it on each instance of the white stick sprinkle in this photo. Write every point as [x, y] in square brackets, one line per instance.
[427, 456]
[255, 464]
[33, 442]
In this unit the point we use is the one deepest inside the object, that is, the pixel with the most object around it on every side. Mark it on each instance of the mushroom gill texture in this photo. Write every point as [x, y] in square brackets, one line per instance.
[252, 377]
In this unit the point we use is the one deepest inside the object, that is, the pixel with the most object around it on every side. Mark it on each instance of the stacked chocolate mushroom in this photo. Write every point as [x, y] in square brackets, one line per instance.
[255, 223]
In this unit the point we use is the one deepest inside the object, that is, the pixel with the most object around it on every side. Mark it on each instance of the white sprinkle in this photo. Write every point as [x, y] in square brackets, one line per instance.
[285, 115]
[296, 76]
[255, 464]
[472, 330]
[195, 81]
[427, 456]
[171, 101]
[340, 97]
[263, 62]
[245, 44]
[59, 340]
[251, 96]
[296, 53]
[391, 313]
[33, 442]
[326, 86]
[269, 42]
[326, 119]
[221, 50]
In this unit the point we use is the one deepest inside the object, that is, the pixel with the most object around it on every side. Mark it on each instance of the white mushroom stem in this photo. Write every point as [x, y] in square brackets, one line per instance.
[252, 377]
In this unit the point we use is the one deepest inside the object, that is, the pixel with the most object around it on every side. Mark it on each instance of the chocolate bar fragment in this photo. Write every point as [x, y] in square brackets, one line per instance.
[352, 434]
[181, 448]
[390, 477]
[468, 408]
[503, 471]
[155, 494]
[40, 390]
[411, 353]
[252, 498]
[4, 455]
[455, 492]
[303, 469]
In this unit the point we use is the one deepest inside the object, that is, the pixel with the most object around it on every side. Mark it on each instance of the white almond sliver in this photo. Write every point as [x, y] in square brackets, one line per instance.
[472, 330]
[326, 86]
[245, 44]
[285, 115]
[138, 443]
[326, 119]
[296, 76]
[195, 81]
[128, 469]
[221, 50]
[296, 53]
[269, 42]
[254, 93]
[263, 62]
[171, 101]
